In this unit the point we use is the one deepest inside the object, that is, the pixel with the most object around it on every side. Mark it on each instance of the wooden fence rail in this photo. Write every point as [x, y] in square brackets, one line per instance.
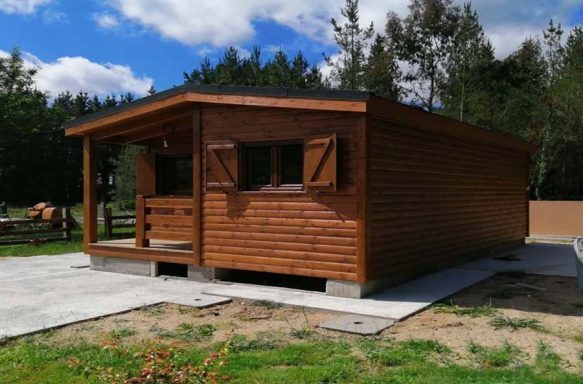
[110, 222]
[31, 230]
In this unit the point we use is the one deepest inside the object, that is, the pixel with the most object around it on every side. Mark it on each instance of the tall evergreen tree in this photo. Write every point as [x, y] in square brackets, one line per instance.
[352, 39]
[382, 73]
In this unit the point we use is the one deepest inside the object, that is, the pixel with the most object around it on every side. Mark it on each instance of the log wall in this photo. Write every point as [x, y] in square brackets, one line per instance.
[436, 200]
[282, 232]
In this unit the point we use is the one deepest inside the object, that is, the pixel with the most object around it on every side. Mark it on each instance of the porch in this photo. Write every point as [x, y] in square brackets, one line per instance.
[163, 232]
[167, 196]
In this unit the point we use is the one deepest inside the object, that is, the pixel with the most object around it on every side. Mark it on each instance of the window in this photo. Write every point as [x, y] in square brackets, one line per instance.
[273, 166]
[174, 175]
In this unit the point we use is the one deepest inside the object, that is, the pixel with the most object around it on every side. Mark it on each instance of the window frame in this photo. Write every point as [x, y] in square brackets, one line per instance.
[276, 158]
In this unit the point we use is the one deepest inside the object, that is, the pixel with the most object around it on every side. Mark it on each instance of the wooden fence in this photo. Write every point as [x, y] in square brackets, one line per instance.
[23, 231]
[556, 218]
[110, 222]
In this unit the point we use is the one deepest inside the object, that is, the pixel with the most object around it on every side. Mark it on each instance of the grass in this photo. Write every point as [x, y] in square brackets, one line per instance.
[249, 361]
[122, 333]
[57, 247]
[484, 310]
[546, 359]
[515, 323]
[404, 352]
[496, 357]
[267, 304]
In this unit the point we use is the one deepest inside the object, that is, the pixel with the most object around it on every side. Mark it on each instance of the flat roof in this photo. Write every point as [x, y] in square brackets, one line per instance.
[271, 92]
[315, 99]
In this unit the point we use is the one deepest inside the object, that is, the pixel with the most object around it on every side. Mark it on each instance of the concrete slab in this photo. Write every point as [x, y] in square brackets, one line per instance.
[42, 292]
[539, 259]
[361, 325]
[199, 301]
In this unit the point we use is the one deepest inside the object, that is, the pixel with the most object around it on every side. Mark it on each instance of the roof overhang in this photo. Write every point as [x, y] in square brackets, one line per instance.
[164, 104]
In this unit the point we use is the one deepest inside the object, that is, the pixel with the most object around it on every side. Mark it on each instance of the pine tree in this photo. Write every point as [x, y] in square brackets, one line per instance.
[228, 69]
[382, 72]
[251, 68]
[277, 70]
[352, 40]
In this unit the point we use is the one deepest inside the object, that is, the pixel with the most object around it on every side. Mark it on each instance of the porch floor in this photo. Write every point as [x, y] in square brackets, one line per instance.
[171, 245]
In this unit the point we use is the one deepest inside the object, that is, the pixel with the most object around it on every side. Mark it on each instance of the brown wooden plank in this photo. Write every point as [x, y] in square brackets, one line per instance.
[363, 185]
[145, 174]
[169, 220]
[296, 247]
[149, 254]
[89, 192]
[141, 240]
[197, 184]
[279, 237]
[282, 270]
[168, 235]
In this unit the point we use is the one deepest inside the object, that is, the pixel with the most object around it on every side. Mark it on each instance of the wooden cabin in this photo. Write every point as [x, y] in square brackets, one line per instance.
[343, 186]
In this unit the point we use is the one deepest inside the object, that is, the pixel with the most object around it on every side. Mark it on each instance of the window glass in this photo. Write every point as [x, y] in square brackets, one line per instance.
[174, 175]
[291, 164]
[258, 166]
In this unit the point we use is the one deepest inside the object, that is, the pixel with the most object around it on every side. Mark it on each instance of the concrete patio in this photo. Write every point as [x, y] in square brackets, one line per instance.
[44, 292]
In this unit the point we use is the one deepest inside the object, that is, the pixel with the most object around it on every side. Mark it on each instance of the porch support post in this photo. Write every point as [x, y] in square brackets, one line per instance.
[197, 186]
[89, 192]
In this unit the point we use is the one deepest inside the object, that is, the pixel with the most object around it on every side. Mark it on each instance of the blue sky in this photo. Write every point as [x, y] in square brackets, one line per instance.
[113, 46]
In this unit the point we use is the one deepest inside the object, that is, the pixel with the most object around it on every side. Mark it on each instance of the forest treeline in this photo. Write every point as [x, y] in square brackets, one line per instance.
[437, 57]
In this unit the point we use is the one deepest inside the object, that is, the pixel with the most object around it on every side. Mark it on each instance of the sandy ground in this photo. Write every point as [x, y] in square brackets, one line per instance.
[558, 309]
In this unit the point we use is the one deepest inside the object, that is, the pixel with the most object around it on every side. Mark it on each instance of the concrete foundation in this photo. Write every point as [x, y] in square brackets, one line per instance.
[204, 274]
[150, 268]
[128, 266]
[353, 290]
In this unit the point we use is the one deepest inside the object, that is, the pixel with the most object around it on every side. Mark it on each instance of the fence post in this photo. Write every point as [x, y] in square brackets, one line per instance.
[141, 240]
[108, 222]
[66, 214]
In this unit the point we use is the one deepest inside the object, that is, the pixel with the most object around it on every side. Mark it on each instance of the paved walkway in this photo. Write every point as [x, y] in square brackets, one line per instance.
[43, 292]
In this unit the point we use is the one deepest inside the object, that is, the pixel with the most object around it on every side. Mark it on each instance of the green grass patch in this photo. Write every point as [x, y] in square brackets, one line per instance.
[547, 359]
[121, 333]
[58, 247]
[515, 323]
[29, 361]
[478, 311]
[403, 352]
[496, 357]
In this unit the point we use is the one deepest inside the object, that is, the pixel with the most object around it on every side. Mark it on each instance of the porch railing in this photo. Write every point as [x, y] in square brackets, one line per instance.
[163, 218]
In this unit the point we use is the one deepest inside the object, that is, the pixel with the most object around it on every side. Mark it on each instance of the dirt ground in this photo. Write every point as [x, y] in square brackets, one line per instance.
[558, 308]
[559, 311]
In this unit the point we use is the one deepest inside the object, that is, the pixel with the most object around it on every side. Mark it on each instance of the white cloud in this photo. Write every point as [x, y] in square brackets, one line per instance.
[232, 22]
[26, 7]
[106, 20]
[80, 74]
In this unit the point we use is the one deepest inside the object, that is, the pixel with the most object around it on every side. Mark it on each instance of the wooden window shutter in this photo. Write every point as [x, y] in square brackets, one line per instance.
[320, 163]
[222, 165]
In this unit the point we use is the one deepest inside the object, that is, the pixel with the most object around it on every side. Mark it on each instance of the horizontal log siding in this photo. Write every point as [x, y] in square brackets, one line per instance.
[291, 233]
[437, 200]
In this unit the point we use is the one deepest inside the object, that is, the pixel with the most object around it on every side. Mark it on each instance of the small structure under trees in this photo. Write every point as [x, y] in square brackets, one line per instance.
[344, 186]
